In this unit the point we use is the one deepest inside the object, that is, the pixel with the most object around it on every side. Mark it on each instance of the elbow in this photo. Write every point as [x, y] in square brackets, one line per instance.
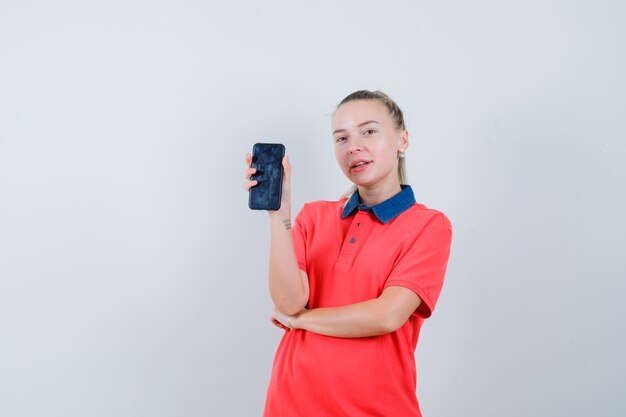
[391, 322]
[395, 308]
[289, 299]
[389, 326]
[288, 306]
[290, 310]
[382, 325]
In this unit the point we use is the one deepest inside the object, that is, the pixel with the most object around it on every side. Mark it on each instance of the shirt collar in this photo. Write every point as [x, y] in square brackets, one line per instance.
[385, 211]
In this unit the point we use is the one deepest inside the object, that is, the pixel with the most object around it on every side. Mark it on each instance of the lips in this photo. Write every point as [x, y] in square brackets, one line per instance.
[360, 164]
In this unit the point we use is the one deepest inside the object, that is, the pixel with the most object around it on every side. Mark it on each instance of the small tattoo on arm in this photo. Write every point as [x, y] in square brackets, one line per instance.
[287, 223]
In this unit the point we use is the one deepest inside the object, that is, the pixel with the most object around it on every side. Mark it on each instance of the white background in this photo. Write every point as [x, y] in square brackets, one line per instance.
[133, 275]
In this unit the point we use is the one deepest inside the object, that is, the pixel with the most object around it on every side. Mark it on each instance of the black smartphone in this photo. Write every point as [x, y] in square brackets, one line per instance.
[267, 158]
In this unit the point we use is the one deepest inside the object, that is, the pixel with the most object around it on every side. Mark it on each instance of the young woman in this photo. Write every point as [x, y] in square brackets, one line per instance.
[354, 279]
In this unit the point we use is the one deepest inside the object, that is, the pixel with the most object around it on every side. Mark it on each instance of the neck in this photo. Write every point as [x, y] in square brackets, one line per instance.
[377, 194]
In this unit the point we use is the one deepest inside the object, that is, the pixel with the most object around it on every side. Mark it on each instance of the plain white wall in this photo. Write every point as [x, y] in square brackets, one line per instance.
[133, 276]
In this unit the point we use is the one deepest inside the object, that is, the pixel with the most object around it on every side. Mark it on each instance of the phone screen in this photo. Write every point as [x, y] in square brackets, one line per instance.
[267, 158]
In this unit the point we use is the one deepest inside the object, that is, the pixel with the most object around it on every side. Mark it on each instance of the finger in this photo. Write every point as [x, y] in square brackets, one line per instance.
[250, 184]
[250, 172]
[248, 159]
[282, 318]
[286, 168]
[279, 325]
[286, 164]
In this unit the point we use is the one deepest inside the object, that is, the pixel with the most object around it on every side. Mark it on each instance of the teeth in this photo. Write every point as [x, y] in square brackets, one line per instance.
[359, 164]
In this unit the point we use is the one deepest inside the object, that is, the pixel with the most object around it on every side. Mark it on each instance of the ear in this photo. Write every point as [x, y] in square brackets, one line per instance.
[404, 140]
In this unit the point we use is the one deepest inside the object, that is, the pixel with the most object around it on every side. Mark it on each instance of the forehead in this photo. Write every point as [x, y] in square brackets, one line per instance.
[355, 112]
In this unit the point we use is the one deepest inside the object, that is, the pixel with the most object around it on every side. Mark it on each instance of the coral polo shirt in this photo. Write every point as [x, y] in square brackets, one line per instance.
[351, 252]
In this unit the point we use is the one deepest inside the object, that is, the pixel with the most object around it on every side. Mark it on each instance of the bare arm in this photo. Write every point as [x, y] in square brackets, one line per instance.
[289, 286]
[378, 316]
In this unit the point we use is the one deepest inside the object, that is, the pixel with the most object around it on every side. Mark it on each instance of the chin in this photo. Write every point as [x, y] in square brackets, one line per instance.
[362, 182]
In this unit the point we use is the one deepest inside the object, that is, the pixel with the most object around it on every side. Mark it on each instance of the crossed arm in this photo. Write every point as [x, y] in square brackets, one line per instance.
[289, 288]
[381, 315]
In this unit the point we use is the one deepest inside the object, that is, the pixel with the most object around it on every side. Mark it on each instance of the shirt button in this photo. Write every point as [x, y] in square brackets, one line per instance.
[352, 240]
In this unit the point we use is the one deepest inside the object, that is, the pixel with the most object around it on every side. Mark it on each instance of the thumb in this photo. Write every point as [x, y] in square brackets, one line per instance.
[286, 166]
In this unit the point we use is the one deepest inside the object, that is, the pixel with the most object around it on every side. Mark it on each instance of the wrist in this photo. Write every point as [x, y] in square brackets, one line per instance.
[283, 221]
[280, 214]
[296, 321]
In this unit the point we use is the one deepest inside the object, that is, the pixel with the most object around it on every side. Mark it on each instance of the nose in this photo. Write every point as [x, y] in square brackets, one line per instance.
[355, 146]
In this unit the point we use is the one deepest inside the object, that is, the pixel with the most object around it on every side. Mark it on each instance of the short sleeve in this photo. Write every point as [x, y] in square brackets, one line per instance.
[423, 265]
[299, 240]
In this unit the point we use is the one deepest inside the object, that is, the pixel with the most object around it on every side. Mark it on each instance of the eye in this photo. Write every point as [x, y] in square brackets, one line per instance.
[341, 139]
[369, 132]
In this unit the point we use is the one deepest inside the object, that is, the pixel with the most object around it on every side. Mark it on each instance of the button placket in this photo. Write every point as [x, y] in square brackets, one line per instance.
[351, 243]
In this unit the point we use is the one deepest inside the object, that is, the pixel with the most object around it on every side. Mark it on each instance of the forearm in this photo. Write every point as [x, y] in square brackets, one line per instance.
[287, 289]
[382, 315]
[363, 319]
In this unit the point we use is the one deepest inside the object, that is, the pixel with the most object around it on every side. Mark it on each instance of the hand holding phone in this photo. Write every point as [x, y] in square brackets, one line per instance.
[267, 159]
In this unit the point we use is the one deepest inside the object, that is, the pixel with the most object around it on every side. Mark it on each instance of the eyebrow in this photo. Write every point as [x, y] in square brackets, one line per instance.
[359, 125]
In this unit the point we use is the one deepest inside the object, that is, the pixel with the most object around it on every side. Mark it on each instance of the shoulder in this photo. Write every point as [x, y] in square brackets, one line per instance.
[318, 213]
[420, 214]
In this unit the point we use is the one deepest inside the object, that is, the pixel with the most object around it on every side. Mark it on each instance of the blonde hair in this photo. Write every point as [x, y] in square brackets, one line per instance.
[395, 113]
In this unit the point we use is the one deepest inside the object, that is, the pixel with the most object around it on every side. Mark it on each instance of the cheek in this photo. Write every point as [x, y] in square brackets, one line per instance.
[390, 150]
[382, 150]
[339, 156]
